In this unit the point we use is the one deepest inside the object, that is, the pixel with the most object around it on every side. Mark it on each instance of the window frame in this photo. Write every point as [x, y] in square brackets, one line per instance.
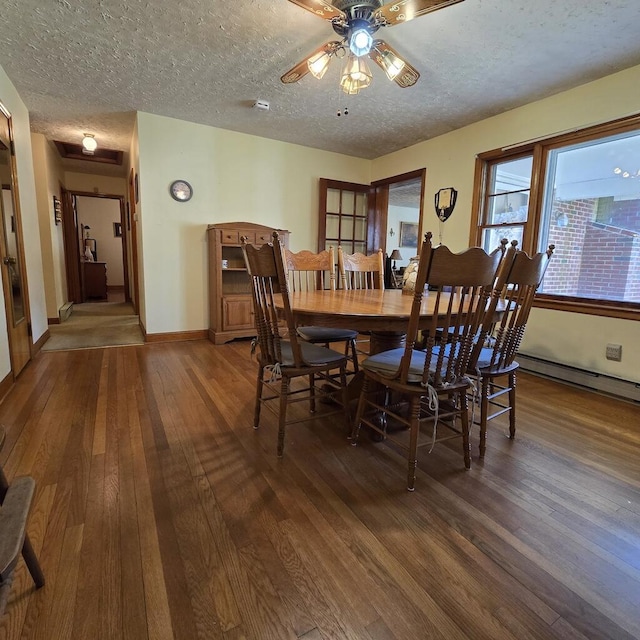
[539, 149]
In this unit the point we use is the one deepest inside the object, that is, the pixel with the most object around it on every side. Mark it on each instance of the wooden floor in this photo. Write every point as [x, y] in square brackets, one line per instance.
[160, 513]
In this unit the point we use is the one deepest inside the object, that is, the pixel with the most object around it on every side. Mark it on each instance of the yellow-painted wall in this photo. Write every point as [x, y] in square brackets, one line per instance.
[49, 175]
[235, 177]
[569, 338]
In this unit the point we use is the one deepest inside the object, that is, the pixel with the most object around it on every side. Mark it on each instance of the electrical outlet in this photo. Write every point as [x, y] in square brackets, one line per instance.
[614, 352]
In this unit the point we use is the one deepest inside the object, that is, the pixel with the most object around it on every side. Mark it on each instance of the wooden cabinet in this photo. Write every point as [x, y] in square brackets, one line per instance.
[95, 280]
[230, 306]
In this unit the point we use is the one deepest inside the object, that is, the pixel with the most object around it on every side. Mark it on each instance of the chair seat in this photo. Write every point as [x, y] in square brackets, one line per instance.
[388, 362]
[312, 355]
[326, 334]
[483, 365]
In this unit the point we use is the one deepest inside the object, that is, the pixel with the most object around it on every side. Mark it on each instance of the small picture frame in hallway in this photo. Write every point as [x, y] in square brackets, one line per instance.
[117, 229]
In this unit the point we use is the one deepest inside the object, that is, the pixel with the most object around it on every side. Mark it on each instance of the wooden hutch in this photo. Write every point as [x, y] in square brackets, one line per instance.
[230, 306]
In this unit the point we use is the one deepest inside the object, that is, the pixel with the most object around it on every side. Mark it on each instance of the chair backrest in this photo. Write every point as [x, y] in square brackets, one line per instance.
[516, 285]
[358, 271]
[265, 265]
[461, 285]
[307, 271]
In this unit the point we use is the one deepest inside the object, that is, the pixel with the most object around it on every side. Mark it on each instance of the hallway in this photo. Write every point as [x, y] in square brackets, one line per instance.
[95, 325]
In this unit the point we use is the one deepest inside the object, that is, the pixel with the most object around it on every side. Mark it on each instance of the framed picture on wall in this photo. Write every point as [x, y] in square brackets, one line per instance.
[408, 234]
[117, 229]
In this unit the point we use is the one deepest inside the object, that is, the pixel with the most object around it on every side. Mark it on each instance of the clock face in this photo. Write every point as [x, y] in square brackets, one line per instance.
[181, 190]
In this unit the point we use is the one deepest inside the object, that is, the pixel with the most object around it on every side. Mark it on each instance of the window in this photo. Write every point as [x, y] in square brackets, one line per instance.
[581, 193]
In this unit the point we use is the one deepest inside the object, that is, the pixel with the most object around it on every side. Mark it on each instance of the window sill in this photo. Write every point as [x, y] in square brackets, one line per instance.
[625, 311]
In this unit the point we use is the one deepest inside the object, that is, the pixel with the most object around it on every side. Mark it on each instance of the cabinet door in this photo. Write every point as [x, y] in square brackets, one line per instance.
[237, 313]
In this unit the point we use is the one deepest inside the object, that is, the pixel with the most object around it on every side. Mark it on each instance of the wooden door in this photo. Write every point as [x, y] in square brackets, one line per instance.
[14, 281]
[344, 216]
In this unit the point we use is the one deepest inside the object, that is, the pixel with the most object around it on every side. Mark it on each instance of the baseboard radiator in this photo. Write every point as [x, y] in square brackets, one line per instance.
[573, 375]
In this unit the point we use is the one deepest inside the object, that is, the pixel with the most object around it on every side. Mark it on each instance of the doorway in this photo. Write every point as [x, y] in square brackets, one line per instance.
[97, 275]
[387, 214]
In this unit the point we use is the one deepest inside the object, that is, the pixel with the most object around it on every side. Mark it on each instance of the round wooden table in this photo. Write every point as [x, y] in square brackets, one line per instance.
[383, 312]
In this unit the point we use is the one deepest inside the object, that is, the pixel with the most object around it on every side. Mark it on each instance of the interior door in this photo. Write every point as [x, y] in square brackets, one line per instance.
[344, 216]
[12, 253]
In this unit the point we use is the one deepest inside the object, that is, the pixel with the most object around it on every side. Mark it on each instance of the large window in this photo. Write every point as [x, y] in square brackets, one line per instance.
[581, 193]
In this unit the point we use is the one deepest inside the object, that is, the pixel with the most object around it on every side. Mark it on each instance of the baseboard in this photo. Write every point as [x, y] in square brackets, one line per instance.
[37, 345]
[53, 320]
[176, 336]
[6, 385]
[596, 381]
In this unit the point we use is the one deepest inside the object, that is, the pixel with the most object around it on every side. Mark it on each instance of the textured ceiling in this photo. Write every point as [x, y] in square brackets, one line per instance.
[88, 66]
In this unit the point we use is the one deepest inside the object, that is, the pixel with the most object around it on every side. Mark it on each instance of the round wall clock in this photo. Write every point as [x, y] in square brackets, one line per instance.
[181, 190]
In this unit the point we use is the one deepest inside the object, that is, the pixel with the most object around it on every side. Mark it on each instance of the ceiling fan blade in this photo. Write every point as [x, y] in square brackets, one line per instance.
[393, 64]
[404, 10]
[302, 68]
[322, 8]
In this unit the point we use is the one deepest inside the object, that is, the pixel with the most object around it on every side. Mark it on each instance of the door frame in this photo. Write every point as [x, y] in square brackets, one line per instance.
[19, 335]
[377, 206]
[72, 242]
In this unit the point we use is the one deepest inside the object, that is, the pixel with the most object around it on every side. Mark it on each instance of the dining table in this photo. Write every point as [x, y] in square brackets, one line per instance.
[383, 313]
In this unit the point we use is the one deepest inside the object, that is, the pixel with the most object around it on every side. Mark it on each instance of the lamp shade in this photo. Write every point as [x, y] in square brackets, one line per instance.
[395, 255]
[319, 63]
[391, 64]
[355, 76]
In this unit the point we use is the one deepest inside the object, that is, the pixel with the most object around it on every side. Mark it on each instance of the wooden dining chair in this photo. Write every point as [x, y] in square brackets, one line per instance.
[434, 381]
[308, 271]
[282, 356]
[15, 501]
[494, 360]
[359, 271]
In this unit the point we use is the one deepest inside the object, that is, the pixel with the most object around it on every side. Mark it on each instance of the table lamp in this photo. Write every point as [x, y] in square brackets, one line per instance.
[395, 255]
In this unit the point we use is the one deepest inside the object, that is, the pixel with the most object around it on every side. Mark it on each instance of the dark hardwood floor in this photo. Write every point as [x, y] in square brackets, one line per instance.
[160, 513]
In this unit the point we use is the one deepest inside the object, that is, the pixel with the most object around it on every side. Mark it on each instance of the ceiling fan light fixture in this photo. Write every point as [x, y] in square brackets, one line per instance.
[360, 39]
[319, 63]
[391, 64]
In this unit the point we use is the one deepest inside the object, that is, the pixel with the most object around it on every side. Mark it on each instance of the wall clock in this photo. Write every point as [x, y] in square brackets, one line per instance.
[181, 190]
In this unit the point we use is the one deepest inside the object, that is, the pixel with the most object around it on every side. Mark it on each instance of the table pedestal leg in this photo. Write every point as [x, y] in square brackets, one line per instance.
[386, 340]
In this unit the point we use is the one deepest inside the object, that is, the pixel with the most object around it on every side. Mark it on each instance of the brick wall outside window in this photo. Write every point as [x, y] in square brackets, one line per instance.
[593, 259]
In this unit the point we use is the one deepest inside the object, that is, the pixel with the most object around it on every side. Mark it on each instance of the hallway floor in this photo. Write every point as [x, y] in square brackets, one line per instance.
[96, 325]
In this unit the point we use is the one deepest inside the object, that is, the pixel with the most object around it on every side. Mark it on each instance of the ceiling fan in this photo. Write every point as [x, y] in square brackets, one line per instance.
[356, 22]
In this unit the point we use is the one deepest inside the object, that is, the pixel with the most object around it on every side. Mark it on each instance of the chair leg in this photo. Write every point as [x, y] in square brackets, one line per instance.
[312, 393]
[354, 355]
[31, 560]
[284, 396]
[355, 432]
[259, 388]
[345, 398]
[512, 404]
[484, 411]
[464, 417]
[412, 454]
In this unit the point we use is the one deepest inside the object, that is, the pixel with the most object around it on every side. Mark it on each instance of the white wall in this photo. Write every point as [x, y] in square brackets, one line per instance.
[569, 338]
[396, 215]
[235, 177]
[49, 175]
[100, 214]
[29, 214]
[107, 185]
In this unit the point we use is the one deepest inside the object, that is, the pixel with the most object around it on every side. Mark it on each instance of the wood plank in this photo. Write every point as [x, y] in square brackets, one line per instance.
[160, 513]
